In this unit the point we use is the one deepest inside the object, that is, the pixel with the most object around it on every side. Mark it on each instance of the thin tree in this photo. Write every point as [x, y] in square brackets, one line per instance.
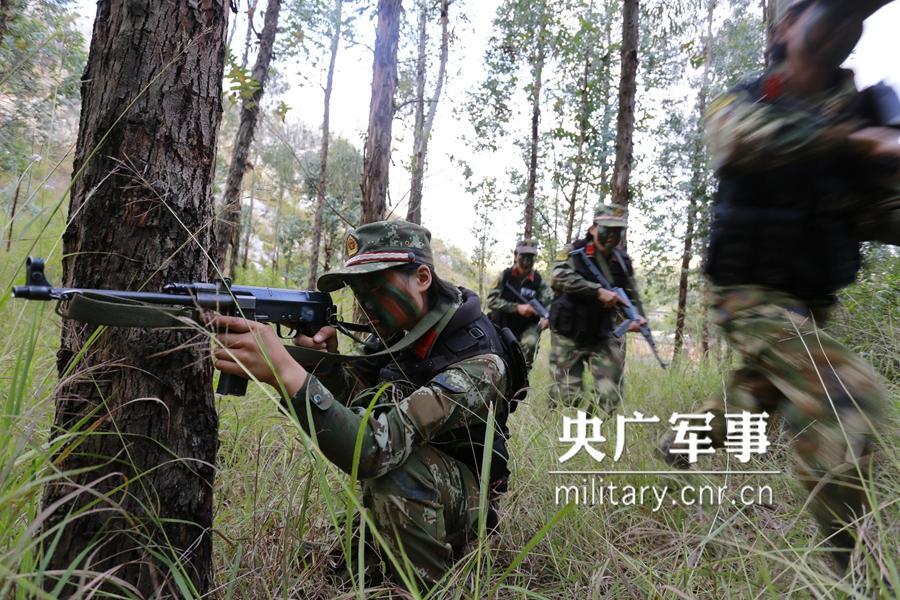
[627, 94]
[697, 187]
[423, 123]
[537, 58]
[377, 158]
[322, 181]
[228, 232]
[135, 423]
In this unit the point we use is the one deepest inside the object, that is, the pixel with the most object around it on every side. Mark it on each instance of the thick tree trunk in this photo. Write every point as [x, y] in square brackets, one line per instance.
[627, 93]
[698, 165]
[321, 185]
[536, 83]
[381, 113]
[423, 129]
[136, 497]
[228, 232]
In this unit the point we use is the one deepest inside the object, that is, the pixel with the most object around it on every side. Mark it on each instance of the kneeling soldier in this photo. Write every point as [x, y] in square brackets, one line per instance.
[446, 364]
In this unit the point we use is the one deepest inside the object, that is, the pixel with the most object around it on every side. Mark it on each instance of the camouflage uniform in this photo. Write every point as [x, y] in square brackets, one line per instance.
[503, 304]
[423, 498]
[588, 342]
[785, 165]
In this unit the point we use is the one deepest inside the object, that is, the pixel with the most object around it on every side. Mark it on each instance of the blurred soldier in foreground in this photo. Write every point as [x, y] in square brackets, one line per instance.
[583, 315]
[798, 160]
[446, 366]
[517, 298]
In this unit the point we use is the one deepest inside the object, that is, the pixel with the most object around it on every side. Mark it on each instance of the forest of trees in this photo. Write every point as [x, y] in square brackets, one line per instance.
[170, 145]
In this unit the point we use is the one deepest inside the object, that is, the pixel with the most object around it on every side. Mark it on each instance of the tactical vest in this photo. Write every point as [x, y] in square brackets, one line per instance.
[790, 227]
[529, 289]
[581, 317]
[469, 333]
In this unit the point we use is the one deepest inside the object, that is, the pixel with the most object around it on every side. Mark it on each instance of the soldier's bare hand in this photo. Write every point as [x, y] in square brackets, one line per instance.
[247, 346]
[324, 339]
[607, 298]
[636, 325]
[525, 310]
[876, 141]
[544, 324]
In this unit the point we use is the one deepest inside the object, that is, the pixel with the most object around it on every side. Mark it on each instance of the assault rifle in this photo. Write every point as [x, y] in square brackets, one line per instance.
[631, 313]
[291, 311]
[529, 297]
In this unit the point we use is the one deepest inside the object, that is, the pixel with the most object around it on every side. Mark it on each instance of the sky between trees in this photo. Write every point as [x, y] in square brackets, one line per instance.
[447, 209]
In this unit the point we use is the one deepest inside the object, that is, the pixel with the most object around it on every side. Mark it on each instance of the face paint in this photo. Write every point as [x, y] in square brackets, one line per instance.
[525, 261]
[387, 299]
[607, 238]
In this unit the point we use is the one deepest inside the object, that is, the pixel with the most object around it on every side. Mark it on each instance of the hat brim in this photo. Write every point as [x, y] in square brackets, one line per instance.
[610, 222]
[336, 279]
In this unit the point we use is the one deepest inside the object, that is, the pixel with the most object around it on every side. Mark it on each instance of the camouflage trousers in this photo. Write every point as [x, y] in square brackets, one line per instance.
[427, 510]
[828, 397]
[606, 360]
[530, 339]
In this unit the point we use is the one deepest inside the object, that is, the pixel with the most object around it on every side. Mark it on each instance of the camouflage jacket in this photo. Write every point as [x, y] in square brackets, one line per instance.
[748, 133]
[567, 280]
[405, 417]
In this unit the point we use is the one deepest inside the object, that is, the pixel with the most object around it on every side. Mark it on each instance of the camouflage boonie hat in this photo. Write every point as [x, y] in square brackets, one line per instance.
[526, 247]
[611, 215]
[378, 246]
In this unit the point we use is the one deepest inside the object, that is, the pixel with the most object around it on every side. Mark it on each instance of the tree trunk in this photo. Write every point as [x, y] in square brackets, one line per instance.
[537, 80]
[229, 231]
[423, 130]
[135, 499]
[582, 134]
[251, 12]
[321, 185]
[768, 11]
[276, 248]
[698, 167]
[627, 93]
[249, 230]
[377, 158]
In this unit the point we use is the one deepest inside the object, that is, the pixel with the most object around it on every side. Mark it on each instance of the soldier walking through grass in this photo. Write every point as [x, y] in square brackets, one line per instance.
[795, 154]
[584, 314]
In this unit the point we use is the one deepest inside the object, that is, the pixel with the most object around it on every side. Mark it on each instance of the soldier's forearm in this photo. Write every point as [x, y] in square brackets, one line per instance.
[335, 427]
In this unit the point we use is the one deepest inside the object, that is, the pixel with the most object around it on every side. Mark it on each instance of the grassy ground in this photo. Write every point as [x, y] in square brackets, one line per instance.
[279, 508]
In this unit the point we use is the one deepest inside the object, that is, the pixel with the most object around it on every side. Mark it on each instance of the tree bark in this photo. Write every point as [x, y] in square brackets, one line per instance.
[536, 83]
[245, 247]
[321, 184]
[768, 10]
[228, 232]
[423, 130]
[698, 169]
[134, 492]
[251, 12]
[627, 93]
[381, 113]
[582, 134]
